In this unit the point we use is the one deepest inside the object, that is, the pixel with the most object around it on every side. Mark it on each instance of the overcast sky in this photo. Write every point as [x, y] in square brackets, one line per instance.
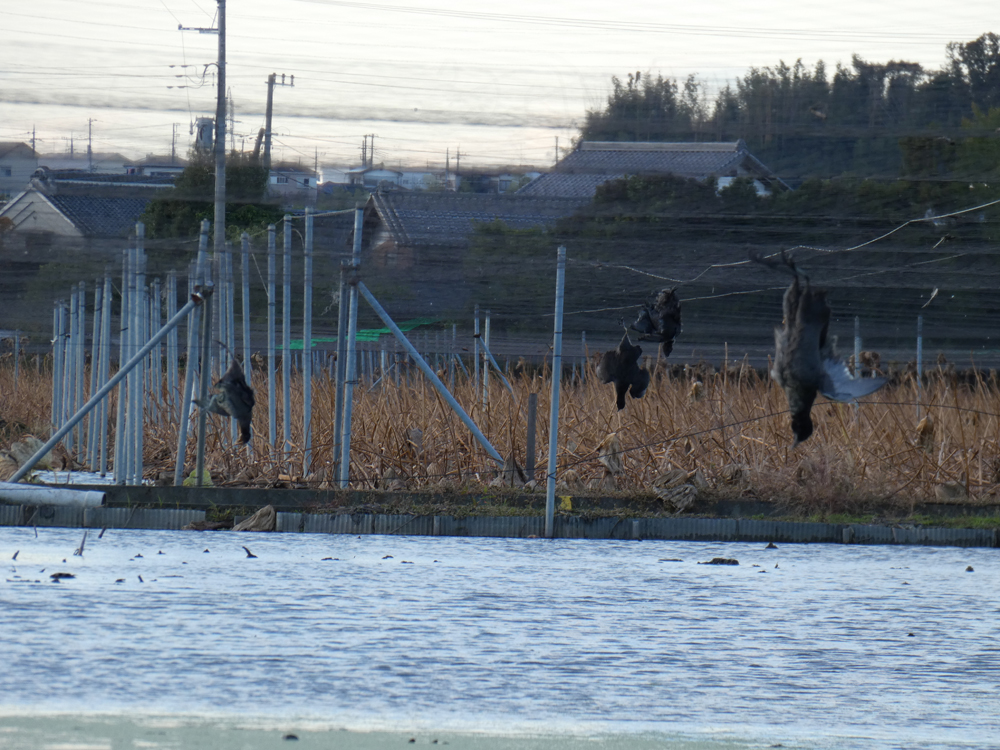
[425, 76]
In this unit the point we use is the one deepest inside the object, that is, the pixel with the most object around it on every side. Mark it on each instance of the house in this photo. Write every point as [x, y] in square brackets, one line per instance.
[400, 223]
[416, 242]
[105, 163]
[592, 163]
[293, 184]
[82, 182]
[18, 161]
[156, 166]
[39, 218]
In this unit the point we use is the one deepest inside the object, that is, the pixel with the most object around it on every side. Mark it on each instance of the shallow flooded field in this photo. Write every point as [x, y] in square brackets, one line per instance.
[622, 642]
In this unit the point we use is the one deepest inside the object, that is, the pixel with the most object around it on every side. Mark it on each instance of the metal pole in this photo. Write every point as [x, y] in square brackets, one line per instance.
[206, 353]
[475, 351]
[184, 413]
[95, 374]
[286, 339]
[81, 358]
[920, 359]
[529, 458]
[857, 346]
[271, 309]
[429, 373]
[119, 376]
[550, 480]
[71, 364]
[307, 346]
[56, 366]
[340, 367]
[486, 355]
[119, 466]
[350, 366]
[172, 345]
[245, 299]
[105, 372]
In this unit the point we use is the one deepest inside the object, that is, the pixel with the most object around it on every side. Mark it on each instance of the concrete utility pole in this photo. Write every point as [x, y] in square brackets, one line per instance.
[90, 140]
[272, 81]
[219, 244]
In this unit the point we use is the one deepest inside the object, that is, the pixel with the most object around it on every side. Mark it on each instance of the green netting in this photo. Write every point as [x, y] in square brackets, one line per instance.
[368, 334]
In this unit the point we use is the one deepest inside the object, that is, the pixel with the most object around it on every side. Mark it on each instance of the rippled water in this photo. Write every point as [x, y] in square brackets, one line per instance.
[819, 646]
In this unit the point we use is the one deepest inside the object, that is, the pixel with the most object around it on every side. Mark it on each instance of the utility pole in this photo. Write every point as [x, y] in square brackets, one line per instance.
[220, 140]
[32, 137]
[364, 151]
[90, 151]
[272, 81]
[232, 120]
[173, 144]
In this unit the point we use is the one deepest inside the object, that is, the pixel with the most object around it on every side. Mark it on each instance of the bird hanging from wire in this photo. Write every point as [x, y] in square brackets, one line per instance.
[659, 319]
[621, 367]
[805, 359]
[232, 398]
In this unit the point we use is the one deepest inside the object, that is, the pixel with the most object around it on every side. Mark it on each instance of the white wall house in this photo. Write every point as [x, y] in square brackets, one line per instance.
[293, 184]
[18, 162]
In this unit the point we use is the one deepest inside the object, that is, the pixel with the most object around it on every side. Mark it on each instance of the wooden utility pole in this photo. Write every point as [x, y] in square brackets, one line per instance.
[272, 81]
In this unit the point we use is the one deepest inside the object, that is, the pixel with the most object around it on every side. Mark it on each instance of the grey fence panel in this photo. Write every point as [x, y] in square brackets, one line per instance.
[690, 529]
[291, 522]
[761, 531]
[808, 532]
[945, 537]
[140, 518]
[592, 528]
[10, 515]
[870, 534]
[52, 516]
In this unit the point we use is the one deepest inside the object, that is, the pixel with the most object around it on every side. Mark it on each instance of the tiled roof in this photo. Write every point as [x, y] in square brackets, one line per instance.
[101, 217]
[596, 162]
[82, 177]
[422, 218]
[16, 148]
[558, 185]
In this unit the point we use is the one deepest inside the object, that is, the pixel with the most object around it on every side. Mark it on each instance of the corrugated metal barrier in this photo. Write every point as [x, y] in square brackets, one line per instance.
[566, 527]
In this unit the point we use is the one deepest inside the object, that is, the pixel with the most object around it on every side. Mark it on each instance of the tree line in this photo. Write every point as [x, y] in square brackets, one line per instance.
[866, 118]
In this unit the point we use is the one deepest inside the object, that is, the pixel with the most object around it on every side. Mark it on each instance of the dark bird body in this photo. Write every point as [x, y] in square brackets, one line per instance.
[233, 398]
[621, 367]
[660, 319]
[805, 361]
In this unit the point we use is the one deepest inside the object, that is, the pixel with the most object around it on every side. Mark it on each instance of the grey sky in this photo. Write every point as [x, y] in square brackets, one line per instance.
[423, 75]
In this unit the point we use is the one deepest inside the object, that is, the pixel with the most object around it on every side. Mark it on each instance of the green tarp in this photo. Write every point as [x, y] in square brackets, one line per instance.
[368, 334]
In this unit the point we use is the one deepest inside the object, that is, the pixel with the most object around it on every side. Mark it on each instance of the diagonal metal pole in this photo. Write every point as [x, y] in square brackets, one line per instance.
[429, 373]
[489, 356]
[96, 398]
[350, 364]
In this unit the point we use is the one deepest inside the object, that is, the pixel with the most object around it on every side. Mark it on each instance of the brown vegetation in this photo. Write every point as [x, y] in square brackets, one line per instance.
[727, 436]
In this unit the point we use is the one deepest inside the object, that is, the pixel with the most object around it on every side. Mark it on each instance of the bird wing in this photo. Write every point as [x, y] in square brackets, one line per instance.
[838, 384]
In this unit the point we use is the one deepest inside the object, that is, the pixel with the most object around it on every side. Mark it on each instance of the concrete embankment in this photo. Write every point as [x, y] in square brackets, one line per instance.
[502, 515]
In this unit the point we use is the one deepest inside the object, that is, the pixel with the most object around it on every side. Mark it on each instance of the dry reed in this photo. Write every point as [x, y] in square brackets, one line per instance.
[733, 428]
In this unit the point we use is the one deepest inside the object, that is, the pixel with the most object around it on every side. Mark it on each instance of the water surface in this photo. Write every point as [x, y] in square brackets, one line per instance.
[805, 645]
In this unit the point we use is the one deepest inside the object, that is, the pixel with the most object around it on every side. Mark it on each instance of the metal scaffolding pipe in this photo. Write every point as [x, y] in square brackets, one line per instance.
[29, 494]
[96, 399]
[429, 373]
